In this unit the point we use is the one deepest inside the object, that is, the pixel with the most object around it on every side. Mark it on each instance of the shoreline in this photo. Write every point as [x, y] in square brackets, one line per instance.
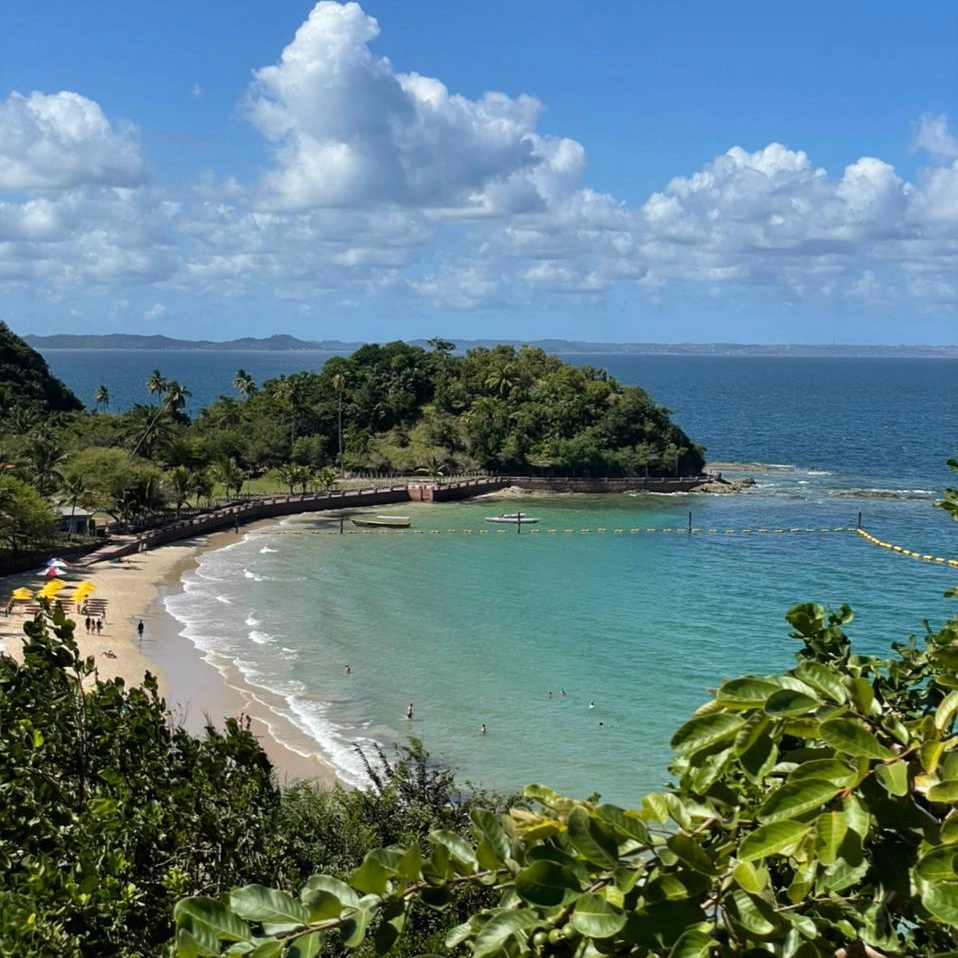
[195, 691]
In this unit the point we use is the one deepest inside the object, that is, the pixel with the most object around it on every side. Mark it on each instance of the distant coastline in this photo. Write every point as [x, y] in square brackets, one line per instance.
[280, 343]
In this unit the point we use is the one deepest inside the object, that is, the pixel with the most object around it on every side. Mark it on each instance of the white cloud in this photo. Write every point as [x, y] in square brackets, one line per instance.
[931, 135]
[61, 141]
[389, 185]
[197, 89]
[351, 132]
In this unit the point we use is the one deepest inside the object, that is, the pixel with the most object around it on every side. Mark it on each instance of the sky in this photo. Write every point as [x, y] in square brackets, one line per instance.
[515, 169]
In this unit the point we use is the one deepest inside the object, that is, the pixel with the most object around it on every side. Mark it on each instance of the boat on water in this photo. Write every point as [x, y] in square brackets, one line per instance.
[514, 517]
[383, 522]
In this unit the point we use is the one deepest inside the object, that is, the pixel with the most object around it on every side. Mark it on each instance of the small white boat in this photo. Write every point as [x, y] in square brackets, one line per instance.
[512, 517]
[384, 522]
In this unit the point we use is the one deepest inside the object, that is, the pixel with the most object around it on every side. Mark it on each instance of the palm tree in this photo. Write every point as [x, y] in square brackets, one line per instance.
[174, 399]
[41, 462]
[180, 481]
[441, 346]
[102, 397]
[156, 385]
[244, 384]
[326, 478]
[339, 384]
[228, 473]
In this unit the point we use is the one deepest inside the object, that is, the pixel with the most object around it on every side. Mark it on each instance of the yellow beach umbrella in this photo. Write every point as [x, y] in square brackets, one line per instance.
[82, 591]
[22, 594]
[51, 589]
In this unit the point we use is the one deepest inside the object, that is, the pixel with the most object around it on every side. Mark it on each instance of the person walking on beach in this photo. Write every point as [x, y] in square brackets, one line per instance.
[88, 620]
[99, 626]
[139, 628]
[409, 712]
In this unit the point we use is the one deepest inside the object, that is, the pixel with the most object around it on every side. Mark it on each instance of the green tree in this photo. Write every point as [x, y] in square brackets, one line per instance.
[102, 397]
[110, 812]
[339, 384]
[180, 482]
[229, 475]
[26, 518]
[156, 386]
[244, 384]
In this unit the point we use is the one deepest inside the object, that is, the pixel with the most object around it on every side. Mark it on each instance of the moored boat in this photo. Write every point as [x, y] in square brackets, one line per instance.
[384, 522]
[514, 517]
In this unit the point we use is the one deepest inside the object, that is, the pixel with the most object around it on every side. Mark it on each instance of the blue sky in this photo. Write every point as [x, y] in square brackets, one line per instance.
[612, 172]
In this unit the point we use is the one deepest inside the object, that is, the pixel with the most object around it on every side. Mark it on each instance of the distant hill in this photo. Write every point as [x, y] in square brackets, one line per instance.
[25, 378]
[280, 343]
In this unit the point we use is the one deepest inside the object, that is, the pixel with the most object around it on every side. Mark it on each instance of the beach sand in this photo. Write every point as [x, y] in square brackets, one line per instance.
[134, 589]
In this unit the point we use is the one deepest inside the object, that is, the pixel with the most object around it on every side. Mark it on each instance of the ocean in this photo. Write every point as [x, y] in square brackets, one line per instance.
[585, 641]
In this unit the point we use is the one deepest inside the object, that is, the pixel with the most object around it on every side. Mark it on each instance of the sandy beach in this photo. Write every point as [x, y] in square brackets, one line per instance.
[134, 589]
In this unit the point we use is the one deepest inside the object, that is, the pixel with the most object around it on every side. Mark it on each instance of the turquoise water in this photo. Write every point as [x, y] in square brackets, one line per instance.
[477, 627]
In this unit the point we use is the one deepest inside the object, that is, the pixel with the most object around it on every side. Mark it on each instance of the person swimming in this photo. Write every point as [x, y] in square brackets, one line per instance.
[482, 728]
[592, 705]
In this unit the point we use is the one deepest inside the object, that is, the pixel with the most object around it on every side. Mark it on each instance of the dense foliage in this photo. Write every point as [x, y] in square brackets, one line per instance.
[110, 812]
[814, 814]
[25, 379]
[385, 409]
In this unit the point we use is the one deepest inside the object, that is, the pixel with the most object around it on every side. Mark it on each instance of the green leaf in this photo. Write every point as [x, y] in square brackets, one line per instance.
[625, 823]
[590, 840]
[753, 913]
[596, 917]
[945, 713]
[387, 932]
[797, 798]
[354, 928]
[267, 949]
[497, 930]
[944, 792]
[203, 944]
[693, 943]
[492, 831]
[862, 694]
[546, 883]
[853, 738]
[827, 770]
[938, 864]
[750, 878]
[458, 846]
[820, 677]
[689, 851]
[409, 866]
[894, 778]
[331, 886]
[787, 702]
[371, 877]
[306, 946]
[949, 828]
[705, 731]
[206, 916]
[830, 829]
[942, 901]
[259, 903]
[775, 838]
[746, 692]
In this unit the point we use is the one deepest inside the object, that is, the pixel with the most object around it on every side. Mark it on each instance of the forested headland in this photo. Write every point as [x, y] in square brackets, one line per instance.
[385, 409]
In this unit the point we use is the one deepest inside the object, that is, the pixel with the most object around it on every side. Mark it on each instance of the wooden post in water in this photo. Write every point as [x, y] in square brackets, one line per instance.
[690, 522]
[859, 519]
[342, 519]
[518, 523]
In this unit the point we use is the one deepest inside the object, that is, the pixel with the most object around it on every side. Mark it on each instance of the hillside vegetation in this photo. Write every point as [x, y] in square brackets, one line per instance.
[387, 409]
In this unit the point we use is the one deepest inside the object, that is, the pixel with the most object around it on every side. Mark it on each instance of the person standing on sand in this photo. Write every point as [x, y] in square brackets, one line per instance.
[99, 626]
[139, 628]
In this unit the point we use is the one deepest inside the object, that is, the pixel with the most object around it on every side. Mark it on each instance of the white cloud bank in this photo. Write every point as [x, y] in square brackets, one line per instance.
[387, 184]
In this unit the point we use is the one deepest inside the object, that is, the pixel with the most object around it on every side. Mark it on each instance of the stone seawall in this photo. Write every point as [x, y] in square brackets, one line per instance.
[640, 484]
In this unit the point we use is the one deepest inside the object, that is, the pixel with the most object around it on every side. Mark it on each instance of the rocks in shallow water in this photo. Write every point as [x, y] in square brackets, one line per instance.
[725, 486]
[875, 494]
